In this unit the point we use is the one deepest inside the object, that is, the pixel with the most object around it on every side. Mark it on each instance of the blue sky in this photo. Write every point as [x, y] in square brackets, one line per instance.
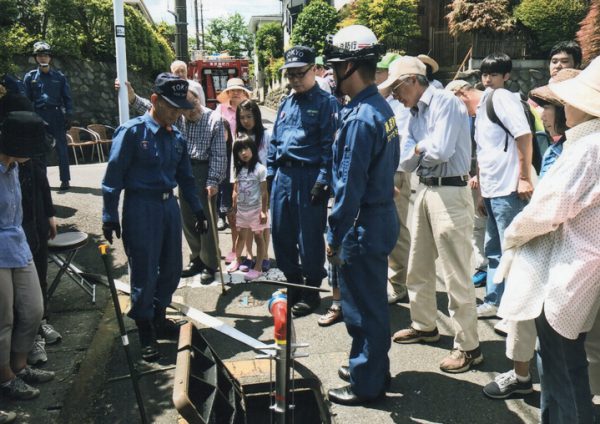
[213, 9]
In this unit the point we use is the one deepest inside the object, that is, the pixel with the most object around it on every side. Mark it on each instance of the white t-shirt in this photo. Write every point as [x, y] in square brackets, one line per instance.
[249, 197]
[323, 84]
[499, 169]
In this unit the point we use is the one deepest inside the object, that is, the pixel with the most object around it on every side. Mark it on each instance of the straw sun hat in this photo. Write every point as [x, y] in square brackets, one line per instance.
[583, 91]
[543, 95]
[233, 84]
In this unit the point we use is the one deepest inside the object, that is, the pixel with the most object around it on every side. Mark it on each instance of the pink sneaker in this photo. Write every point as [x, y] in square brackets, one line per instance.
[230, 258]
[252, 275]
[233, 266]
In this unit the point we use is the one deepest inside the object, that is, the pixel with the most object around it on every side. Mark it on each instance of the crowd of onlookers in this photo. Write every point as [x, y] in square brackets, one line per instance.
[508, 199]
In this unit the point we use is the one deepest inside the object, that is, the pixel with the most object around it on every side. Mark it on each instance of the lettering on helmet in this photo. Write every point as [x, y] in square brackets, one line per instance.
[348, 45]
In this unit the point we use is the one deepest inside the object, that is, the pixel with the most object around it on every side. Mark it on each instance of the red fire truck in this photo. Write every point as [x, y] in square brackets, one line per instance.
[214, 71]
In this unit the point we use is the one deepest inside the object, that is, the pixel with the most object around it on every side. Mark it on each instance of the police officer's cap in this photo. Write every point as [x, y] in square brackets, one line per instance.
[41, 47]
[298, 56]
[173, 90]
[23, 135]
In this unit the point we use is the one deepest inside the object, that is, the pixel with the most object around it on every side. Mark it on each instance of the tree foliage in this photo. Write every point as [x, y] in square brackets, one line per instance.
[550, 21]
[588, 35]
[269, 43]
[480, 16]
[313, 24]
[81, 29]
[229, 34]
[392, 21]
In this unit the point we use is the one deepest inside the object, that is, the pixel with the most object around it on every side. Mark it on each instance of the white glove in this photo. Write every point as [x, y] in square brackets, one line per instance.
[504, 266]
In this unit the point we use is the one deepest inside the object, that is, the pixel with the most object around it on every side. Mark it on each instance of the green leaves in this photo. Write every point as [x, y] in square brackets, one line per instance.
[313, 24]
[269, 47]
[550, 21]
[230, 33]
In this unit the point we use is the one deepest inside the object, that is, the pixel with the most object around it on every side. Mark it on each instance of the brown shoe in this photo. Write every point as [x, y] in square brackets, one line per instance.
[333, 315]
[411, 335]
[460, 360]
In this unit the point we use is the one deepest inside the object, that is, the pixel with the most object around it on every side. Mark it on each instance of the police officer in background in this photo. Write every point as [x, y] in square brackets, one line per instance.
[49, 92]
[148, 159]
[363, 224]
[299, 172]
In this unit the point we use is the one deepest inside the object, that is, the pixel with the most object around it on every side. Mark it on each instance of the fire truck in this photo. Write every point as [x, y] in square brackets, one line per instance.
[213, 72]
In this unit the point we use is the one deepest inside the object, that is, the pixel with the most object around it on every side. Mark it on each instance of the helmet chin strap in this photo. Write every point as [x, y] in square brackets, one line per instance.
[353, 68]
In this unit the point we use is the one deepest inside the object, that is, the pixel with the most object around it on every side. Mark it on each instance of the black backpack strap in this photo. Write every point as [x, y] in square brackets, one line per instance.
[491, 113]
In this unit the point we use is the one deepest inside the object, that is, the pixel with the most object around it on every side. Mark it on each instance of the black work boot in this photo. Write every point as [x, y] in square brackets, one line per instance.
[166, 328]
[195, 267]
[149, 345]
[309, 301]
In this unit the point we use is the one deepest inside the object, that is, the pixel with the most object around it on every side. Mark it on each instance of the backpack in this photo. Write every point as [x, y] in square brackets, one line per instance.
[540, 139]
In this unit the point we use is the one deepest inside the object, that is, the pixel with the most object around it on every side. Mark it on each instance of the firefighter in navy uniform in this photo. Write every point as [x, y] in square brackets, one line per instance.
[148, 159]
[299, 169]
[49, 91]
[363, 224]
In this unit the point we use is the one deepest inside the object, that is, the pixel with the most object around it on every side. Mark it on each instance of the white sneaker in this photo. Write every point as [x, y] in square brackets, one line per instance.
[49, 333]
[486, 310]
[501, 327]
[37, 354]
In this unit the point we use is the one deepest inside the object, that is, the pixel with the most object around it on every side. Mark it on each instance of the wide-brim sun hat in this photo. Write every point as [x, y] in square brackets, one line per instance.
[429, 61]
[233, 84]
[543, 95]
[583, 91]
[401, 68]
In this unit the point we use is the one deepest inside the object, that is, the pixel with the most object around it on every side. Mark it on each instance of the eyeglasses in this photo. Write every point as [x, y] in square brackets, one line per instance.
[397, 86]
[298, 75]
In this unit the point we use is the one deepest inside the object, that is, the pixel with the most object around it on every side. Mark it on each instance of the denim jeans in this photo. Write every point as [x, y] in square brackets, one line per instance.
[500, 211]
[562, 364]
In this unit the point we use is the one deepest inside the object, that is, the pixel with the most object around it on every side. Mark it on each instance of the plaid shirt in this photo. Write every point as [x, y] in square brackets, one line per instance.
[205, 139]
[206, 142]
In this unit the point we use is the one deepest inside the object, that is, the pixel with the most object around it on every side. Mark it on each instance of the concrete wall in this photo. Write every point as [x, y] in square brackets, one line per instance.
[92, 87]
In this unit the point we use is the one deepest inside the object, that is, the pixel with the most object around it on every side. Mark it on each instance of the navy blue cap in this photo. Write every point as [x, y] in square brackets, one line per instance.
[173, 89]
[298, 56]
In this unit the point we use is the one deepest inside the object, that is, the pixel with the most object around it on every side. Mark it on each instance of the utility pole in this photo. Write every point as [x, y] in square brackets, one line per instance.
[196, 19]
[181, 23]
[202, 23]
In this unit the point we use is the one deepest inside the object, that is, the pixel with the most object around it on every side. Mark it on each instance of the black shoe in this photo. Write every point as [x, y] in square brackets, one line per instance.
[166, 328]
[345, 396]
[195, 267]
[307, 304]
[221, 224]
[148, 343]
[207, 276]
[344, 374]
[64, 186]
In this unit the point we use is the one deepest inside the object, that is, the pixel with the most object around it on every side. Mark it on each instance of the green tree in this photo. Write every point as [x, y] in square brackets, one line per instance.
[589, 34]
[394, 22]
[269, 43]
[480, 16]
[313, 24]
[229, 34]
[13, 37]
[550, 21]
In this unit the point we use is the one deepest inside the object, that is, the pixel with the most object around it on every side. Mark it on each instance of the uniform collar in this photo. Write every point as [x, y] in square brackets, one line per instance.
[308, 93]
[369, 91]
[151, 123]
[6, 169]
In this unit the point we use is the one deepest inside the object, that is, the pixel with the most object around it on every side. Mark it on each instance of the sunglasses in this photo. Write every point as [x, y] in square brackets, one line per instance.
[298, 75]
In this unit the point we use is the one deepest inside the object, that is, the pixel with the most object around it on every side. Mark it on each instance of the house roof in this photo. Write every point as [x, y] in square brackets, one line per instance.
[139, 4]
[256, 20]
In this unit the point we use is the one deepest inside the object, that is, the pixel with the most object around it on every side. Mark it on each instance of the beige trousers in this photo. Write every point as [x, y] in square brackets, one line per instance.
[442, 227]
[398, 259]
[21, 310]
[478, 239]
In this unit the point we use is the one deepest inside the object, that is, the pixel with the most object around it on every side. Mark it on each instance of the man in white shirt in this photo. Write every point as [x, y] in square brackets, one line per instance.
[438, 147]
[504, 161]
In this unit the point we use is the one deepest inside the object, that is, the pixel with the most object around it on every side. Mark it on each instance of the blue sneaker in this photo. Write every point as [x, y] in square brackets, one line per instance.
[479, 278]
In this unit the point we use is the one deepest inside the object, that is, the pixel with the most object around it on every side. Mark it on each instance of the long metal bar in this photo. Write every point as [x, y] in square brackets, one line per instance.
[213, 228]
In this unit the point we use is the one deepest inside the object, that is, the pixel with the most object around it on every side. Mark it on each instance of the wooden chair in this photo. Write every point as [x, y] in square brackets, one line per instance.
[74, 140]
[104, 133]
